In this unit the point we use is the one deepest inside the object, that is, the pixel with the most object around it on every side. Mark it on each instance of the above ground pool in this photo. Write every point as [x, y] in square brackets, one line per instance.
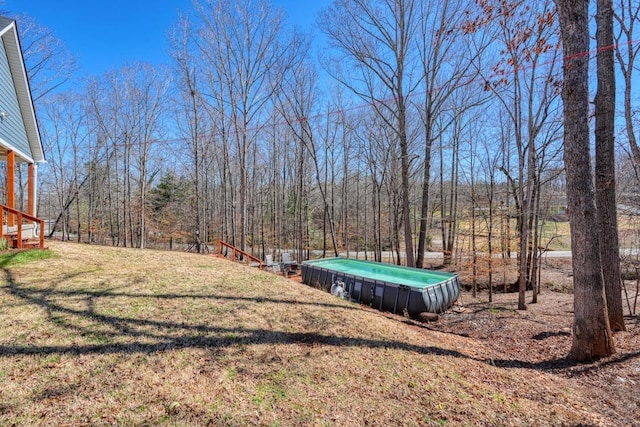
[384, 286]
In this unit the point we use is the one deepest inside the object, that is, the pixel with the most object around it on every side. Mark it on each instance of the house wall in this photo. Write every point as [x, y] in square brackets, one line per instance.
[12, 129]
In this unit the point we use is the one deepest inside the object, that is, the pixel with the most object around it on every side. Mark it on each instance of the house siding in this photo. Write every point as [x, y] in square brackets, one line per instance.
[12, 128]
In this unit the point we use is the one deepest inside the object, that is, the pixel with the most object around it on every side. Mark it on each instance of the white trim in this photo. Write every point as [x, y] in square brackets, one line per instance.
[9, 147]
[7, 28]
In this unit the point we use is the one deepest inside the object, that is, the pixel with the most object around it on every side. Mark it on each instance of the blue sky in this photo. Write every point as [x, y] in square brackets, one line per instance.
[106, 34]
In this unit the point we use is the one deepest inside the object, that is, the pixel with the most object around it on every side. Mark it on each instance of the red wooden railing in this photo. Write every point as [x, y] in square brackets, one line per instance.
[238, 253]
[21, 217]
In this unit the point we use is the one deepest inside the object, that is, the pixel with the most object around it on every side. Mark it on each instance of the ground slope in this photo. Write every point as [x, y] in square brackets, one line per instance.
[108, 336]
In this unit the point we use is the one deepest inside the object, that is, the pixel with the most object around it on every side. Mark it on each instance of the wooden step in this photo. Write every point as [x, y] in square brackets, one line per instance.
[26, 244]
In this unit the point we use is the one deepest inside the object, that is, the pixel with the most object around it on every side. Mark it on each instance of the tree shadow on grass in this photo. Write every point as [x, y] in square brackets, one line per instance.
[108, 293]
[170, 335]
[230, 336]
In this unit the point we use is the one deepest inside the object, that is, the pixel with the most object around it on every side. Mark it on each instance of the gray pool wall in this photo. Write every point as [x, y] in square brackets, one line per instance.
[385, 295]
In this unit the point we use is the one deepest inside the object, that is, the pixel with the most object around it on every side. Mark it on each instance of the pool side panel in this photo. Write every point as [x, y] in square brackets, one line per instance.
[385, 295]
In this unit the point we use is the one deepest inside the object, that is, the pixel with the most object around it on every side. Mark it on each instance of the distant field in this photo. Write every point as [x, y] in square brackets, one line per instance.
[108, 336]
[555, 236]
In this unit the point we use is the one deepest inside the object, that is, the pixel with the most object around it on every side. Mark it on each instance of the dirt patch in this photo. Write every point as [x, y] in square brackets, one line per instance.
[539, 339]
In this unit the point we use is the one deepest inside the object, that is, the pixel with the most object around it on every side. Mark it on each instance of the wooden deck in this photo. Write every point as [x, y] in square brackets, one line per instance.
[22, 230]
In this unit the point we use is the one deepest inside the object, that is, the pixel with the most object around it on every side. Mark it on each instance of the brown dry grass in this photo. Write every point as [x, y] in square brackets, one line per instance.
[108, 336]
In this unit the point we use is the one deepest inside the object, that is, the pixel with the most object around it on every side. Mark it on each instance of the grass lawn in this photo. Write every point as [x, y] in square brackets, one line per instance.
[107, 336]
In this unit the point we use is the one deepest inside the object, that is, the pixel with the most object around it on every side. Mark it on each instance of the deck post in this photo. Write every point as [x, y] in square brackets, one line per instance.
[31, 191]
[11, 191]
[19, 235]
[41, 234]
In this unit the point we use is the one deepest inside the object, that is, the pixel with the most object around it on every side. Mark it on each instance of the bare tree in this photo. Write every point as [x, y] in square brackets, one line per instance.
[150, 86]
[375, 150]
[627, 16]
[489, 167]
[246, 52]
[605, 179]
[446, 57]
[592, 336]
[58, 145]
[449, 145]
[104, 107]
[48, 60]
[296, 103]
[376, 39]
[192, 123]
[126, 105]
[525, 82]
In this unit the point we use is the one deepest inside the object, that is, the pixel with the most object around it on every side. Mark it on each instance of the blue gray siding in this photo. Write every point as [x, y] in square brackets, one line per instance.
[12, 128]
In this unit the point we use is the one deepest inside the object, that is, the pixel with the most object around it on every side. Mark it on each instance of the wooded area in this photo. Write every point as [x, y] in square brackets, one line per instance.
[417, 126]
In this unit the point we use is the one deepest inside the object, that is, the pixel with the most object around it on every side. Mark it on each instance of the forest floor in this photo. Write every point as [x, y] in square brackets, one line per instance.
[538, 340]
[112, 336]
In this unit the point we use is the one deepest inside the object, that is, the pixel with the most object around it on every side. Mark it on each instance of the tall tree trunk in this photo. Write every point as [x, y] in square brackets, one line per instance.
[344, 205]
[490, 233]
[405, 171]
[535, 253]
[592, 336]
[474, 252]
[605, 164]
[451, 227]
[424, 207]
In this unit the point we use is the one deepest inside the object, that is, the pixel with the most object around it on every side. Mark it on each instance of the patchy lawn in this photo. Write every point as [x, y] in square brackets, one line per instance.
[108, 336]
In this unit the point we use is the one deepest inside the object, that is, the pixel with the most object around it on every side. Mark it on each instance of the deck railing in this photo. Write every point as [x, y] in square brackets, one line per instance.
[20, 218]
[238, 254]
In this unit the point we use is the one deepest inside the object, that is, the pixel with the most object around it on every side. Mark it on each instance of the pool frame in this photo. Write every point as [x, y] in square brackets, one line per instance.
[384, 295]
